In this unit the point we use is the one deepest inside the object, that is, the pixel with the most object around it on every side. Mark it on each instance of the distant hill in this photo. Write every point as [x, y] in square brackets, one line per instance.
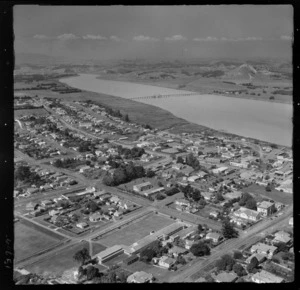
[243, 72]
[38, 59]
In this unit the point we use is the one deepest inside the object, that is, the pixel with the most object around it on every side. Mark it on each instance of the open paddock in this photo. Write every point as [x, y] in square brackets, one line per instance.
[136, 230]
[62, 260]
[283, 197]
[31, 239]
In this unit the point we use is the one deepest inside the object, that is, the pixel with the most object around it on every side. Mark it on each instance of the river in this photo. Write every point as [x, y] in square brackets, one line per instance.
[267, 121]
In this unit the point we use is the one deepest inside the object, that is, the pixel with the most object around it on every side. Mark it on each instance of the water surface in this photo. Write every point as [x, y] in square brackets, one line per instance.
[262, 120]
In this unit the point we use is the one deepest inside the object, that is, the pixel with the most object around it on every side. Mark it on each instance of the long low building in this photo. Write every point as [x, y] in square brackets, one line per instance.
[109, 253]
[150, 239]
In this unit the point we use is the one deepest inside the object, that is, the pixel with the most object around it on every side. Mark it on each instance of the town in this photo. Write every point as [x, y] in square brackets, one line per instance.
[102, 199]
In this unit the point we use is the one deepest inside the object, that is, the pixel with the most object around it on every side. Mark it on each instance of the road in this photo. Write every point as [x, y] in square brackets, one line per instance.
[245, 238]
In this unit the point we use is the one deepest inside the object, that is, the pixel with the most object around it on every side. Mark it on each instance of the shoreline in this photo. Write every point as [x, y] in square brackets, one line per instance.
[179, 124]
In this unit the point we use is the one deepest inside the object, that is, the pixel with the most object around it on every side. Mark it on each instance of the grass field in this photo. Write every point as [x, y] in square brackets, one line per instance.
[62, 260]
[136, 231]
[32, 239]
[37, 112]
[285, 198]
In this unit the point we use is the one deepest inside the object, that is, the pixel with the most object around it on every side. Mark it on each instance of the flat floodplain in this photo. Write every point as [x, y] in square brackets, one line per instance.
[62, 260]
[136, 231]
[30, 240]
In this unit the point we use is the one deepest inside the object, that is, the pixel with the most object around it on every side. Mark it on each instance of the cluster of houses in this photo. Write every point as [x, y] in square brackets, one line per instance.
[34, 146]
[50, 180]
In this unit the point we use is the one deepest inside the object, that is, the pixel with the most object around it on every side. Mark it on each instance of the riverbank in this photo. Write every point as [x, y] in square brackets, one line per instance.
[175, 84]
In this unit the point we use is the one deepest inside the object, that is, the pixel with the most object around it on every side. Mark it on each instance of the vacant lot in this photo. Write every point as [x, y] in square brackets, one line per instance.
[285, 198]
[30, 240]
[62, 260]
[136, 231]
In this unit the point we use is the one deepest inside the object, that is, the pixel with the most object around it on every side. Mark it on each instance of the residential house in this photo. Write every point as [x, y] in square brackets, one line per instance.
[193, 178]
[266, 277]
[82, 225]
[282, 237]
[259, 256]
[207, 195]
[266, 208]
[215, 237]
[95, 217]
[114, 199]
[225, 277]
[265, 249]
[214, 214]
[219, 170]
[142, 187]
[247, 214]
[140, 277]
[188, 244]
[233, 195]
[166, 262]
[176, 251]
[46, 203]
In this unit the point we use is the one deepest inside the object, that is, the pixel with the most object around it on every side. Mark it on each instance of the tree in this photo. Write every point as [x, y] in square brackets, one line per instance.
[179, 160]
[122, 277]
[268, 188]
[200, 249]
[225, 263]
[239, 270]
[251, 204]
[126, 118]
[159, 183]
[244, 198]
[281, 247]
[228, 230]
[92, 206]
[91, 272]
[147, 255]
[150, 173]
[237, 255]
[200, 228]
[160, 196]
[82, 256]
[181, 260]
[196, 195]
[112, 277]
[219, 196]
[252, 265]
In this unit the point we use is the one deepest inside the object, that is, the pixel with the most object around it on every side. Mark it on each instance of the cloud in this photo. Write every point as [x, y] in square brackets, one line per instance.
[175, 38]
[145, 38]
[67, 36]
[286, 37]
[208, 38]
[94, 37]
[41, 36]
[115, 38]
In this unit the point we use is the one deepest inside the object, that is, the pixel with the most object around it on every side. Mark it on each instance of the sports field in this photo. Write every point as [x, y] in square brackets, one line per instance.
[30, 240]
[136, 231]
[61, 260]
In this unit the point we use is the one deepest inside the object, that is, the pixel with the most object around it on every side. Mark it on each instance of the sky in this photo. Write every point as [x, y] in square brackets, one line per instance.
[115, 32]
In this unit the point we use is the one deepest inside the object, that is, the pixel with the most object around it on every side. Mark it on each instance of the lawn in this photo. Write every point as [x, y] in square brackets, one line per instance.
[285, 198]
[30, 240]
[96, 248]
[136, 231]
[60, 261]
